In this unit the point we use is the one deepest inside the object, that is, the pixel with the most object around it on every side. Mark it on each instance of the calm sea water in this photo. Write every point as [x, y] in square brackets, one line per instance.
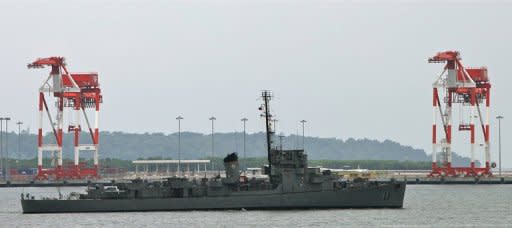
[425, 206]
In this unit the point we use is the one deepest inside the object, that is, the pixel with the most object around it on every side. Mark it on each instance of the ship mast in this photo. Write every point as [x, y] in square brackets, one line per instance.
[267, 96]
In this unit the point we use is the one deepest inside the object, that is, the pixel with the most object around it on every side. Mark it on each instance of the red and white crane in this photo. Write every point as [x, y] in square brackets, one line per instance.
[469, 88]
[76, 92]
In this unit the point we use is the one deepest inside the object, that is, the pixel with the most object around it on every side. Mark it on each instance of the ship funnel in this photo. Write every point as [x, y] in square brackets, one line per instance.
[232, 168]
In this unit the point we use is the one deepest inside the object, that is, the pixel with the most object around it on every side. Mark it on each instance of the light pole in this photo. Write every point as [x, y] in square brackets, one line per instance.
[499, 140]
[303, 123]
[1, 147]
[296, 139]
[281, 136]
[274, 121]
[7, 166]
[179, 118]
[244, 120]
[19, 123]
[213, 142]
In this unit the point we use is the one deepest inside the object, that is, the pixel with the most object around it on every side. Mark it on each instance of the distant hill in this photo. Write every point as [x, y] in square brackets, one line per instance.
[130, 146]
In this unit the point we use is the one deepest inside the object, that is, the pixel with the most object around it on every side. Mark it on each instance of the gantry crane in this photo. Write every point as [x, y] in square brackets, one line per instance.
[77, 92]
[470, 89]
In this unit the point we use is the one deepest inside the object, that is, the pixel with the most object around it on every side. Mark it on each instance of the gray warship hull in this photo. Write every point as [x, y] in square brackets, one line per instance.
[291, 184]
[383, 196]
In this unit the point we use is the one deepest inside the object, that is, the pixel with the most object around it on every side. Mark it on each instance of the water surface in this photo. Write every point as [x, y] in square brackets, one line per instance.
[424, 206]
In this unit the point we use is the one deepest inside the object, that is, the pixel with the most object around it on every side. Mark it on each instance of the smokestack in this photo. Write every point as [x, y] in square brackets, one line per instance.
[232, 168]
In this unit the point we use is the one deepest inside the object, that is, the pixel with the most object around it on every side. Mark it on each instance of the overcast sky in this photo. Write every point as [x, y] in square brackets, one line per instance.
[350, 69]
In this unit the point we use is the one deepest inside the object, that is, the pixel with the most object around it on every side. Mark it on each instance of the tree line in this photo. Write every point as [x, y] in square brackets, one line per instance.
[131, 146]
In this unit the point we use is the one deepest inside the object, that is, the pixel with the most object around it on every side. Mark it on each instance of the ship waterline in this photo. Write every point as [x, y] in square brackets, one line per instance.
[379, 196]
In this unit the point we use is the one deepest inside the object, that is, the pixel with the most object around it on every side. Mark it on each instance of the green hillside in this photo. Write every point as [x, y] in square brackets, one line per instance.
[130, 146]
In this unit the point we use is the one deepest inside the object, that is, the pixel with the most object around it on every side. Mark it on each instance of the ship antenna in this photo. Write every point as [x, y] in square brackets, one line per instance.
[267, 96]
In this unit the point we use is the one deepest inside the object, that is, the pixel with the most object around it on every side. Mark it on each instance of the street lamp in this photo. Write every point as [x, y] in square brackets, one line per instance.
[281, 136]
[7, 165]
[179, 118]
[6, 158]
[213, 145]
[303, 123]
[19, 123]
[499, 140]
[274, 121]
[244, 120]
[2, 146]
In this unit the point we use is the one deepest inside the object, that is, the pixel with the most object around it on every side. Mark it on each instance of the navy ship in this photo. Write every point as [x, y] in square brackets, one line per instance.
[291, 184]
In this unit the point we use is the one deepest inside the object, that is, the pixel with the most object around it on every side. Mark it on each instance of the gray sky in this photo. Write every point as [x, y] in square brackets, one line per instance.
[350, 69]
